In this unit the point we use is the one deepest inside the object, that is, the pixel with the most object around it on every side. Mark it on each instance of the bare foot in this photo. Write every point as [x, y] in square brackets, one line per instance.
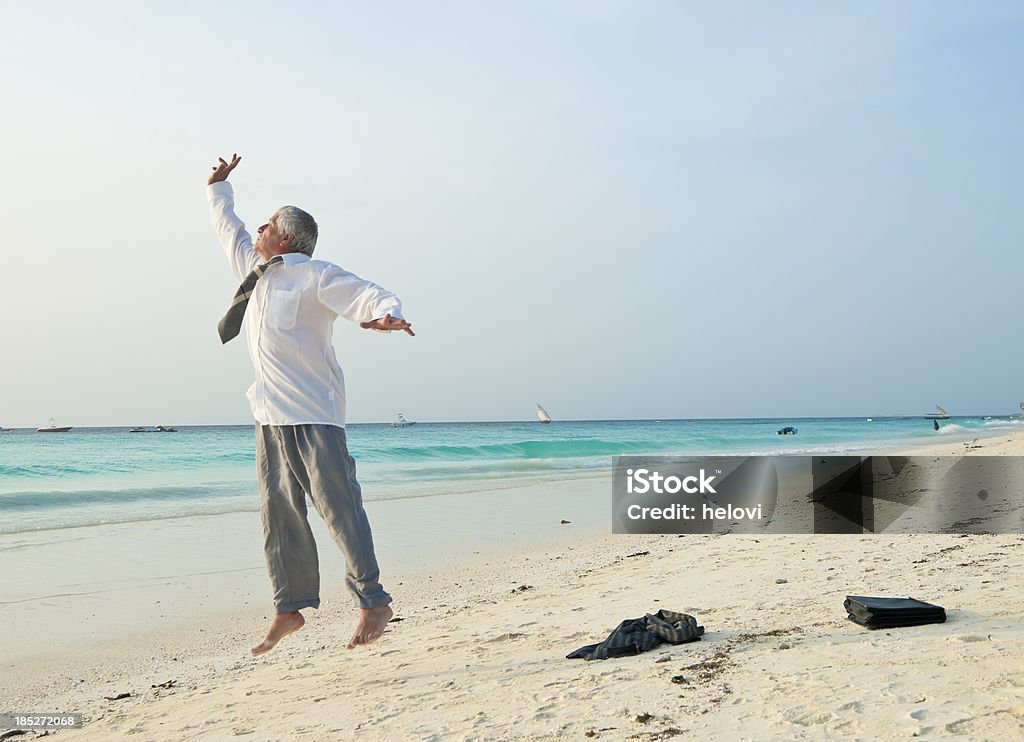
[282, 625]
[371, 625]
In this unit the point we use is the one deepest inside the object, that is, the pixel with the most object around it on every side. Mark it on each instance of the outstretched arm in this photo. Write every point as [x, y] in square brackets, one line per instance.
[372, 306]
[229, 228]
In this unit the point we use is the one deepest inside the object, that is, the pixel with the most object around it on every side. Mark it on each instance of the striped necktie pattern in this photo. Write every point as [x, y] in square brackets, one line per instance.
[231, 323]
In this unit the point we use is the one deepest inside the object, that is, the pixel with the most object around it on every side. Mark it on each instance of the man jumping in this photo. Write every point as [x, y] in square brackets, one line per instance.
[287, 305]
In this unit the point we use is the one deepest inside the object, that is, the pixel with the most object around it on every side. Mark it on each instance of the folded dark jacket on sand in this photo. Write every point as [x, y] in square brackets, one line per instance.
[637, 635]
[883, 613]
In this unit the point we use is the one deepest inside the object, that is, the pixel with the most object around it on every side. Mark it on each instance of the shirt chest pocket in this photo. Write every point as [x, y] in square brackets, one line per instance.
[282, 309]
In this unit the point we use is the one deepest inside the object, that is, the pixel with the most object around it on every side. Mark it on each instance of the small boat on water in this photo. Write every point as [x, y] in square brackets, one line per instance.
[939, 414]
[542, 414]
[157, 429]
[53, 428]
[401, 422]
[788, 430]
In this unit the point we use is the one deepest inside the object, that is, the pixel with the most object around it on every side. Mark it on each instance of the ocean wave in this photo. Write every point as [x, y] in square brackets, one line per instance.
[49, 469]
[412, 470]
[528, 449]
[1017, 422]
[15, 502]
[107, 465]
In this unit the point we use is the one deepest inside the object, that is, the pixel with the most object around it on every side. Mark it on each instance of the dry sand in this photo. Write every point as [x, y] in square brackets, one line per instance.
[479, 651]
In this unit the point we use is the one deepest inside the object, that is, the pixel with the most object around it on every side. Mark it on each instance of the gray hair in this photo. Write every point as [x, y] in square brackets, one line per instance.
[296, 223]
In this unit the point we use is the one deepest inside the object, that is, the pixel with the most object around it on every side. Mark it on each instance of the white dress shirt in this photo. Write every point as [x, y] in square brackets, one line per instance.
[289, 322]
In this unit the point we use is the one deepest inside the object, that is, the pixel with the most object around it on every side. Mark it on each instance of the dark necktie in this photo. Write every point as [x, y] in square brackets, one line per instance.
[231, 324]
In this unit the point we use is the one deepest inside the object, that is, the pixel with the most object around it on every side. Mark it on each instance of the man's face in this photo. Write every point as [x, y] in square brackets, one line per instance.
[271, 241]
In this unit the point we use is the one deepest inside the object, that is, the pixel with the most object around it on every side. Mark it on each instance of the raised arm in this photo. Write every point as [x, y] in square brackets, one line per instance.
[230, 229]
[351, 297]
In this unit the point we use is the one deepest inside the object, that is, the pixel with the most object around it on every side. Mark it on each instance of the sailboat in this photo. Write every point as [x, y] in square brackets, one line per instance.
[542, 414]
[939, 414]
[401, 422]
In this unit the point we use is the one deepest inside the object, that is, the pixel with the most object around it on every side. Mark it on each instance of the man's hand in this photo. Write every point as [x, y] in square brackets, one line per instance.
[222, 169]
[387, 324]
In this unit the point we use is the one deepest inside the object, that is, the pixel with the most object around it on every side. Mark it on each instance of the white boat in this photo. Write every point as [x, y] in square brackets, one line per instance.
[542, 414]
[401, 422]
[939, 414]
[53, 428]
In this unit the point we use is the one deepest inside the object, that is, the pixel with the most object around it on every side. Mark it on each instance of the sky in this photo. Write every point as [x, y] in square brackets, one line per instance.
[617, 209]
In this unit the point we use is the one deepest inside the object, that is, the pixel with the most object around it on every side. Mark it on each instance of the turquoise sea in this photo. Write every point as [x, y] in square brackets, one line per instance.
[102, 475]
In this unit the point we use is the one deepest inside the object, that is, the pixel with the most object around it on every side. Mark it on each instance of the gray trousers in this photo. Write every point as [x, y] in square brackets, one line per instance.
[294, 461]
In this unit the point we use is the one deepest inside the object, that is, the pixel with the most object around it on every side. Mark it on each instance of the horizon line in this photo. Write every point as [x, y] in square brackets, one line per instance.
[864, 418]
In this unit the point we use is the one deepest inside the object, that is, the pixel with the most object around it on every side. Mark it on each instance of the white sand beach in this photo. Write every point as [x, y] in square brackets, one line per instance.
[478, 652]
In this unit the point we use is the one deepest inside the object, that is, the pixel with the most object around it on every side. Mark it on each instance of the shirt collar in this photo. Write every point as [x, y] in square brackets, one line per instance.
[294, 258]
